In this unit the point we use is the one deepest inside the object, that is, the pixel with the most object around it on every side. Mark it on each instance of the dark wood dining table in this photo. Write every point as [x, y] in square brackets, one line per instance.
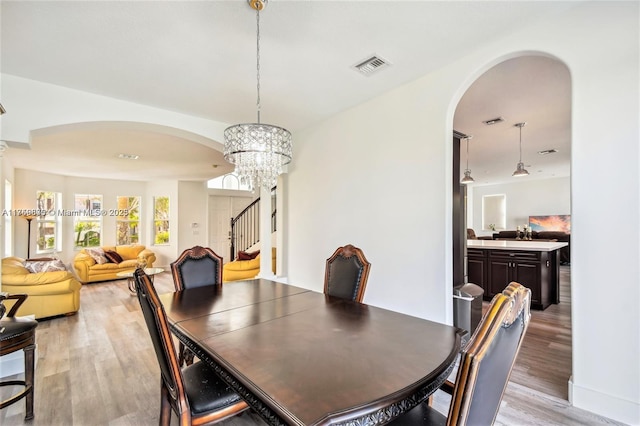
[300, 357]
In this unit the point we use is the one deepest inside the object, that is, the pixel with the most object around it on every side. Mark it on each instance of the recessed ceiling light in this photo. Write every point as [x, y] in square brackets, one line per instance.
[547, 151]
[493, 121]
[128, 156]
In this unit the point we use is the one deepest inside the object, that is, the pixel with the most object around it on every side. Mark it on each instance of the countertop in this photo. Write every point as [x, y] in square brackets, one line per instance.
[516, 245]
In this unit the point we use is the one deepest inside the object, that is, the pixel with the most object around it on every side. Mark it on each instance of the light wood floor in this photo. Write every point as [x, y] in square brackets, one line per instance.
[98, 368]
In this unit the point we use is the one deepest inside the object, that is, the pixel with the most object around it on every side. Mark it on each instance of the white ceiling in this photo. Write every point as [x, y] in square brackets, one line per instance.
[198, 58]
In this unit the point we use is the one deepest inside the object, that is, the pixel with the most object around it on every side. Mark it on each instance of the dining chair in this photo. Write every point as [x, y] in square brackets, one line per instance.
[195, 267]
[18, 333]
[346, 273]
[196, 394]
[485, 365]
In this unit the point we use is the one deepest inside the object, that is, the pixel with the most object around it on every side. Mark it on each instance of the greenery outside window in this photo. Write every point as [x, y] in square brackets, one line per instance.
[128, 220]
[87, 220]
[161, 220]
[48, 222]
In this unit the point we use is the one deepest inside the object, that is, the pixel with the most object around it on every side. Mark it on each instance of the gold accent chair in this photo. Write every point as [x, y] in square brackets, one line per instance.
[196, 394]
[485, 365]
[346, 273]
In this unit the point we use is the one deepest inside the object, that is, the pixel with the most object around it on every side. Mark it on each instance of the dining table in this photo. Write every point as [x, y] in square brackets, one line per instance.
[301, 357]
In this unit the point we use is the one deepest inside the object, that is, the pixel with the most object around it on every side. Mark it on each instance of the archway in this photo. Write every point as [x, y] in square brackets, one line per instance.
[531, 88]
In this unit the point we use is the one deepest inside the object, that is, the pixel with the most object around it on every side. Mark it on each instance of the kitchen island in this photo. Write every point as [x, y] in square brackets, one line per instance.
[493, 264]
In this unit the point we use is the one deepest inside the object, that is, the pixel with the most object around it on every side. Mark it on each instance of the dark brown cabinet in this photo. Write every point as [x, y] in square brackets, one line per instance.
[493, 270]
[477, 268]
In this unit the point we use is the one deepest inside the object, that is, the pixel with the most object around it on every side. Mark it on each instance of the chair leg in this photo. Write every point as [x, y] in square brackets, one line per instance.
[165, 406]
[29, 379]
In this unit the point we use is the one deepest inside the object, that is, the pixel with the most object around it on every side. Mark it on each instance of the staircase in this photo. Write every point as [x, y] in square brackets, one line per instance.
[245, 227]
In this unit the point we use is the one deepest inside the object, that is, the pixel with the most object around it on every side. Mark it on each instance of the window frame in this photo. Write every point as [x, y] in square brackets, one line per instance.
[124, 214]
[161, 222]
[90, 212]
[48, 204]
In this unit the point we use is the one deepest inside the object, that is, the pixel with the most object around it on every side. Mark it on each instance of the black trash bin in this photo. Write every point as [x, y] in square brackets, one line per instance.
[467, 307]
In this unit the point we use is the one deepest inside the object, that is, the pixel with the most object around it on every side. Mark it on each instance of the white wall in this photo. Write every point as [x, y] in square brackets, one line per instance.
[344, 189]
[524, 198]
[192, 209]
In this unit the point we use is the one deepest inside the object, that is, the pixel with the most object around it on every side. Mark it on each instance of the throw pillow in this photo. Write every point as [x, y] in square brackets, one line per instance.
[97, 254]
[45, 266]
[112, 256]
[243, 255]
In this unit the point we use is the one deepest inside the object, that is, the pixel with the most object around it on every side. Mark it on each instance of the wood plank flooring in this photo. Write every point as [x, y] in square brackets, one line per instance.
[98, 367]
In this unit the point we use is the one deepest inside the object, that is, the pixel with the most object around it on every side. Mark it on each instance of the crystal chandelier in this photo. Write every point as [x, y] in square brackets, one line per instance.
[259, 151]
[467, 179]
[520, 170]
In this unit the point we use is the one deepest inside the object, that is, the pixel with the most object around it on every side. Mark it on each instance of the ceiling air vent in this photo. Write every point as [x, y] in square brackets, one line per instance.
[370, 65]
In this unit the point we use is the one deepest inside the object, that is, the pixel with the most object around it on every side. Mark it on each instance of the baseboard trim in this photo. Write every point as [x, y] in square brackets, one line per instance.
[603, 404]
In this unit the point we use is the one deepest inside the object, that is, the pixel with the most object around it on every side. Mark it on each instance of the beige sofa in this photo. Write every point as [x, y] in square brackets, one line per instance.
[49, 293]
[89, 270]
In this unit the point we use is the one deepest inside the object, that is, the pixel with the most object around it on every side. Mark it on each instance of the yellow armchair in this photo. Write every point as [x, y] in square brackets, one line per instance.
[50, 293]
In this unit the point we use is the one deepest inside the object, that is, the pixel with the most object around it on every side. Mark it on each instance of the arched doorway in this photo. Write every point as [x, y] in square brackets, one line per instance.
[536, 90]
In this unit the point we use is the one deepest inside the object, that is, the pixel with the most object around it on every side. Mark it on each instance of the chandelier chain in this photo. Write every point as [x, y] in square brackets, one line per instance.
[258, 61]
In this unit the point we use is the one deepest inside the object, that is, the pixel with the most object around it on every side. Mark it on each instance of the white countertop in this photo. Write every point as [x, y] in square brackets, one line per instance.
[516, 245]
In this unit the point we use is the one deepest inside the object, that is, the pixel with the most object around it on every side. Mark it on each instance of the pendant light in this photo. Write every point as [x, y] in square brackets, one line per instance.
[259, 151]
[520, 170]
[467, 179]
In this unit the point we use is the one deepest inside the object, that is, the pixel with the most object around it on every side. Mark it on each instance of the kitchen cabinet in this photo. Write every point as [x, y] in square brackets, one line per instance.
[494, 264]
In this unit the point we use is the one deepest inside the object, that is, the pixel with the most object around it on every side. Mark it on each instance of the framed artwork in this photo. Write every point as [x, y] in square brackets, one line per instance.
[558, 222]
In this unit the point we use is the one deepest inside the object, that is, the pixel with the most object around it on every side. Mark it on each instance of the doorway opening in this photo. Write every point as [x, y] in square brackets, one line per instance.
[535, 89]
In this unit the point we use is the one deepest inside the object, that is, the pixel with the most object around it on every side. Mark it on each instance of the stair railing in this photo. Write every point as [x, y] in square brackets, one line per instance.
[245, 227]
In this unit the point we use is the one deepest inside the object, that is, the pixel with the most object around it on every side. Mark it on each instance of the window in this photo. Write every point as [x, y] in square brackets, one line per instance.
[48, 222]
[228, 181]
[128, 220]
[494, 212]
[161, 220]
[87, 221]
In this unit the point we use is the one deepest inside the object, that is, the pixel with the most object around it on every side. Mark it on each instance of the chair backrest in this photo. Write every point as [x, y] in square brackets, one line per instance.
[156, 320]
[197, 267]
[471, 234]
[346, 273]
[487, 360]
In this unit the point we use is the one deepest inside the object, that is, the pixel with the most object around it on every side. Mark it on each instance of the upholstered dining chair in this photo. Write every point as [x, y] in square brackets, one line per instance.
[195, 267]
[346, 273]
[18, 333]
[485, 365]
[196, 394]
